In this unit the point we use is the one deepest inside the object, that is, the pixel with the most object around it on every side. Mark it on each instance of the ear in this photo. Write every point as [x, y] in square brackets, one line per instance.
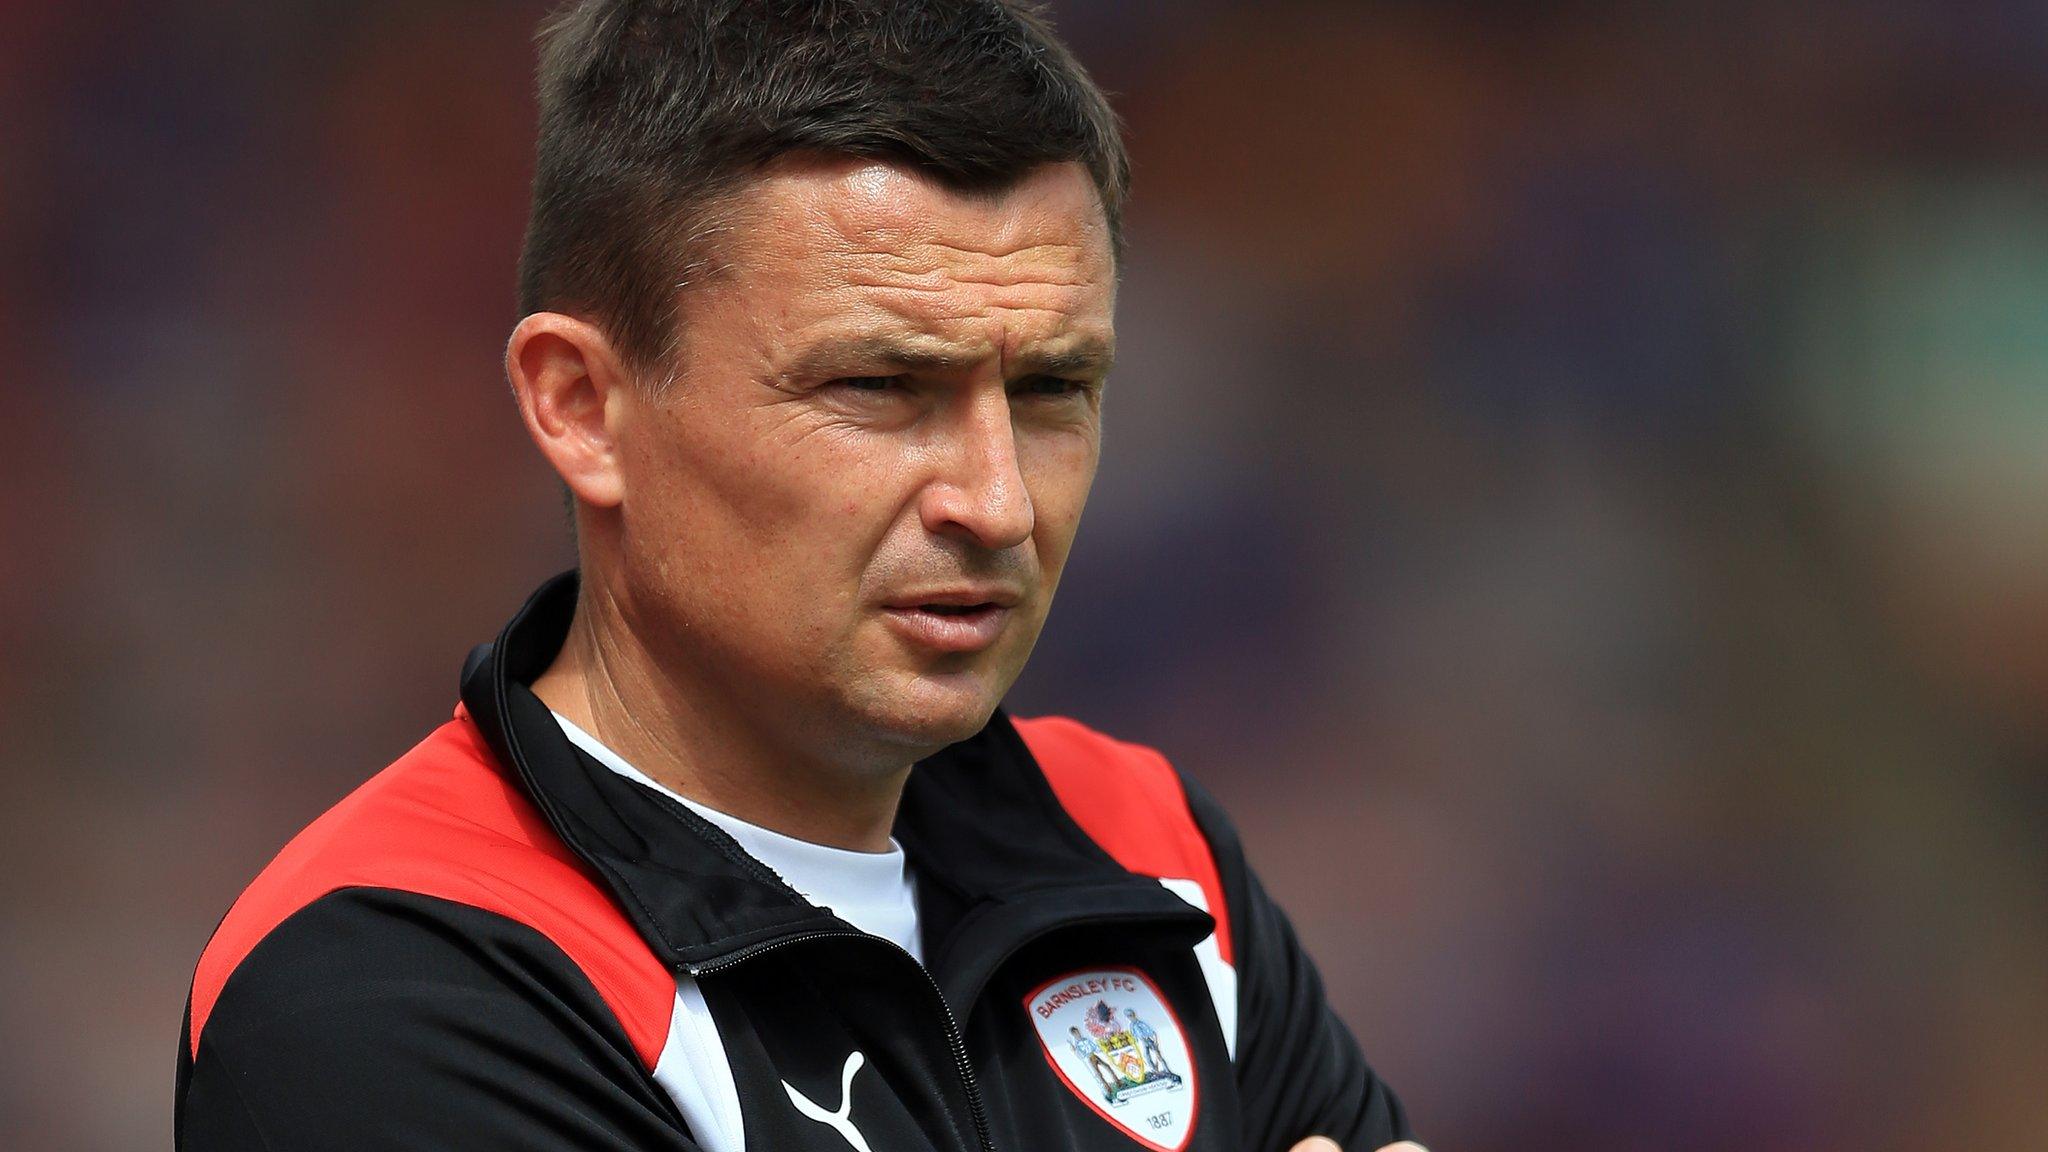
[567, 377]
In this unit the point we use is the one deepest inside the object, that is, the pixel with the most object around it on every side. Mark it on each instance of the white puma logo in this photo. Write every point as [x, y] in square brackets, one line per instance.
[837, 1121]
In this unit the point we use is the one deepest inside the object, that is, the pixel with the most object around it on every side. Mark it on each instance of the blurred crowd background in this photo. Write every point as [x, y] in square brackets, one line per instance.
[1576, 488]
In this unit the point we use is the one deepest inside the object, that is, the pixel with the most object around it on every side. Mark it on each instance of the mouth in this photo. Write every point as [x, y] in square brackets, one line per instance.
[956, 609]
[952, 624]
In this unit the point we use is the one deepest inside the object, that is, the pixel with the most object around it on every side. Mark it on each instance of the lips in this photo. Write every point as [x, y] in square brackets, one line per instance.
[966, 620]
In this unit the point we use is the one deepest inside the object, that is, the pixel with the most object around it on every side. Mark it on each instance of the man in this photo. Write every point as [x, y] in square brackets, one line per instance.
[1148, 1039]
[1086, 1049]
[819, 303]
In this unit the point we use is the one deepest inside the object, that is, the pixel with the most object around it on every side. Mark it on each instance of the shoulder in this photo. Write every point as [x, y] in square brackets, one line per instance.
[1094, 772]
[442, 830]
[1132, 802]
[374, 1015]
[1111, 777]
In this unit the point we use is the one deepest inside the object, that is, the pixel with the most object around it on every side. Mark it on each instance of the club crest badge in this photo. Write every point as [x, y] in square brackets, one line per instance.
[1111, 1036]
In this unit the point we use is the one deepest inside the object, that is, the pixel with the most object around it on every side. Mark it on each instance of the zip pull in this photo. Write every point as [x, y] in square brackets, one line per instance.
[956, 1041]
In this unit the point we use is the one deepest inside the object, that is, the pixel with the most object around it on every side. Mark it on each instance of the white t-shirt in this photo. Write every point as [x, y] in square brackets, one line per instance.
[872, 891]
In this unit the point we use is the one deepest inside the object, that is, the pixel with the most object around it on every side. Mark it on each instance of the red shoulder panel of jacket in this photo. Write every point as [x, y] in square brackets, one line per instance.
[445, 821]
[1129, 800]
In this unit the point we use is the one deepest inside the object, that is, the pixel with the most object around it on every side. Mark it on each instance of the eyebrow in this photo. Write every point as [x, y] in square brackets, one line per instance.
[880, 354]
[1087, 356]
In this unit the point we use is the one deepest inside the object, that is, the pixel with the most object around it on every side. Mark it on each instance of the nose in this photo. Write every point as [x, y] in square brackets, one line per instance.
[978, 493]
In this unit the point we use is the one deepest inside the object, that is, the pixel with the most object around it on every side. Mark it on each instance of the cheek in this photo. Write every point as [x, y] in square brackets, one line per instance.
[1059, 470]
[776, 521]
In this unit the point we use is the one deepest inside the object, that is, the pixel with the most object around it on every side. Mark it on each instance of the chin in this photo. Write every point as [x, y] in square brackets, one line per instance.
[931, 711]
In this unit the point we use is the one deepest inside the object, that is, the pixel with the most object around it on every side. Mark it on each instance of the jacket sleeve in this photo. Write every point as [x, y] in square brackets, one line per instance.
[374, 1019]
[1300, 1072]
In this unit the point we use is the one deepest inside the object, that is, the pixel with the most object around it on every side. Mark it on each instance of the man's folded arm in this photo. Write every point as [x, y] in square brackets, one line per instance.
[375, 1019]
[1300, 1072]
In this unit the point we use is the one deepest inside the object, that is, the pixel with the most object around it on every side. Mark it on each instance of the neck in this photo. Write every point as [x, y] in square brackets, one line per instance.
[678, 731]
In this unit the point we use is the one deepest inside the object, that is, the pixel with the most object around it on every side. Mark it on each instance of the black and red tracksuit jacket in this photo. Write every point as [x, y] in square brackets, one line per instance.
[486, 946]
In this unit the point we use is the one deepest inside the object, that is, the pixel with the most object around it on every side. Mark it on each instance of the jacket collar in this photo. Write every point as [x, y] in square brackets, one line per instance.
[978, 817]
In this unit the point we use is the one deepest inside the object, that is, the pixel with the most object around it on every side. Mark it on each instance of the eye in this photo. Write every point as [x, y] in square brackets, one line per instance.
[1053, 386]
[868, 383]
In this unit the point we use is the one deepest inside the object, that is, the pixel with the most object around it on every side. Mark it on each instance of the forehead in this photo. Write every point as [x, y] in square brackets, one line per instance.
[830, 246]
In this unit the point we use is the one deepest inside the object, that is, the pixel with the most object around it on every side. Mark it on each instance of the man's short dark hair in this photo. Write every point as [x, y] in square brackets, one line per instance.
[653, 111]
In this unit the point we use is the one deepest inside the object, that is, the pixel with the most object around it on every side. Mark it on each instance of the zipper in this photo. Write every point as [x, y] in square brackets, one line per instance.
[955, 1040]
